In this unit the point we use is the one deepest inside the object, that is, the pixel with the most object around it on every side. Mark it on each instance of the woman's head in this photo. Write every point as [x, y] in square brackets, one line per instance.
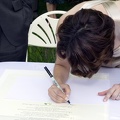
[86, 39]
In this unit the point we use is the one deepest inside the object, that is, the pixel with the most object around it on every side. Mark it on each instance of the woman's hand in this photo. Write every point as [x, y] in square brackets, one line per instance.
[112, 93]
[57, 95]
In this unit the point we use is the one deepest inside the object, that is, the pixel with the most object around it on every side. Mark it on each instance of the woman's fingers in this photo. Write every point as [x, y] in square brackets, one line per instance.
[103, 93]
[57, 95]
[116, 95]
[106, 93]
[112, 93]
[66, 89]
[109, 94]
[57, 99]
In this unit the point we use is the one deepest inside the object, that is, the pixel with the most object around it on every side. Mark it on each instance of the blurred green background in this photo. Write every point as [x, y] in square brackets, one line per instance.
[38, 54]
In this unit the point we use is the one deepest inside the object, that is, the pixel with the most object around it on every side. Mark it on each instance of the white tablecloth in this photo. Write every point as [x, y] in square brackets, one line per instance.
[113, 73]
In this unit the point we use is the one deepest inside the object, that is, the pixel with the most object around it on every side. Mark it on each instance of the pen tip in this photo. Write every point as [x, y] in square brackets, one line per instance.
[68, 101]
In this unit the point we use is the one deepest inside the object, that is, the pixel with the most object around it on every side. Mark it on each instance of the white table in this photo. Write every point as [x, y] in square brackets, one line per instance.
[82, 96]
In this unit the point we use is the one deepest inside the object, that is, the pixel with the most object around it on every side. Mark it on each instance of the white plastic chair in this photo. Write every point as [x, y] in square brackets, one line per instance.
[43, 29]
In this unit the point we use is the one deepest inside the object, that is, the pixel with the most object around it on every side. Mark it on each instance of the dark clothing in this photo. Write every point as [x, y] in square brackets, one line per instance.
[15, 19]
[55, 1]
[35, 8]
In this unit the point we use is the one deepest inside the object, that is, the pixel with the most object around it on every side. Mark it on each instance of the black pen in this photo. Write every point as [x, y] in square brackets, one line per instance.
[54, 81]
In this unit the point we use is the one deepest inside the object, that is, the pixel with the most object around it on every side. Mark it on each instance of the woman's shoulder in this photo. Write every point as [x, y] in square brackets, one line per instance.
[92, 4]
[70, 12]
[118, 3]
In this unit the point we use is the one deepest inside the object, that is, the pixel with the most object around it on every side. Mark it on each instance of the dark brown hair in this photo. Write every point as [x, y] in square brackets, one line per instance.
[86, 39]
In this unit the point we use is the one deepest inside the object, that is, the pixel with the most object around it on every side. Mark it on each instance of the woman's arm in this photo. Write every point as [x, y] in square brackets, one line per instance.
[61, 70]
[61, 74]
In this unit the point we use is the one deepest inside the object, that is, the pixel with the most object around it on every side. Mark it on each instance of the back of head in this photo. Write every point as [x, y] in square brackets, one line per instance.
[86, 40]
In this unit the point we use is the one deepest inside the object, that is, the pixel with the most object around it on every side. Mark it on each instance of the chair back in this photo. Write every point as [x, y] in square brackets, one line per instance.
[43, 29]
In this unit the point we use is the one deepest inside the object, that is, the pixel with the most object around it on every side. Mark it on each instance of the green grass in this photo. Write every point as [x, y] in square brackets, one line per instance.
[37, 54]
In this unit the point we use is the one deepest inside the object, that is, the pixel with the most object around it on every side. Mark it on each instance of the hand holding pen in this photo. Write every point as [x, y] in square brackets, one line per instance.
[55, 82]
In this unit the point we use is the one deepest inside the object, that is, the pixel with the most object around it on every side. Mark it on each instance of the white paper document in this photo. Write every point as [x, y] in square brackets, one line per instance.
[34, 85]
[24, 96]
[25, 85]
[21, 110]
